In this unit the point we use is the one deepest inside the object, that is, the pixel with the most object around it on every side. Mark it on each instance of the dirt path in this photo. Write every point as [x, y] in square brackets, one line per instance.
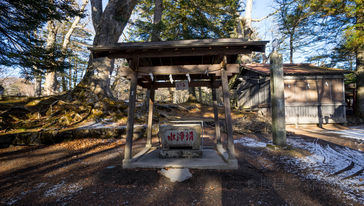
[89, 172]
[352, 137]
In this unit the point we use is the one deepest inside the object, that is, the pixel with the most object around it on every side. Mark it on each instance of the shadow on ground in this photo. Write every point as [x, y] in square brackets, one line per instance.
[89, 172]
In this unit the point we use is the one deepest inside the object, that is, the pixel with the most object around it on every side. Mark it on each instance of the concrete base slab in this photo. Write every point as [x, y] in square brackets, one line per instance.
[180, 153]
[210, 159]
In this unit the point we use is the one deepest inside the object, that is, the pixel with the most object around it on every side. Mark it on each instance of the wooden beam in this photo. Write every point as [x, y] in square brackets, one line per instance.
[307, 77]
[216, 113]
[228, 120]
[277, 99]
[131, 111]
[157, 85]
[182, 70]
[173, 52]
[150, 116]
[143, 84]
[179, 77]
[179, 44]
[188, 69]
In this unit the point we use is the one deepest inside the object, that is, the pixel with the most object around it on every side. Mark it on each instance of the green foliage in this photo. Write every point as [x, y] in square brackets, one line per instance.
[350, 78]
[186, 19]
[77, 55]
[19, 21]
[334, 28]
[342, 25]
[293, 24]
[39, 59]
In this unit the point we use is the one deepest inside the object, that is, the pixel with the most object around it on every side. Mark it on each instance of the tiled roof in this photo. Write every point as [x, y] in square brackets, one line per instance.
[295, 69]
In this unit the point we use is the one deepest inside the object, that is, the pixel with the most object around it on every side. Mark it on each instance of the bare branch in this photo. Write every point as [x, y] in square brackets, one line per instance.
[67, 37]
[269, 15]
[82, 44]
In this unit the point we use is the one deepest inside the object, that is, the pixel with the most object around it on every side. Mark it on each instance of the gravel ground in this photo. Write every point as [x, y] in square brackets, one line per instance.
[89, 172]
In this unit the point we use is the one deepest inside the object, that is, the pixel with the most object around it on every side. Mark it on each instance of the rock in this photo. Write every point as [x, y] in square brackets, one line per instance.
[178, 174]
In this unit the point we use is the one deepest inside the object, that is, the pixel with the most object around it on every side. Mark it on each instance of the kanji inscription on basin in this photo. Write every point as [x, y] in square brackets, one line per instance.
[181, 137]
[180, 140]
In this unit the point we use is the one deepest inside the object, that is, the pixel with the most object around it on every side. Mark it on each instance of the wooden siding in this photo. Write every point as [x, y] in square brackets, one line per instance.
[254, 94]
[308, 114]
[307, 100]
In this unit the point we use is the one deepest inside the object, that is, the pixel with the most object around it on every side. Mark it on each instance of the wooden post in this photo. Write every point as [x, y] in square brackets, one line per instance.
[277, 99]
[216, 113]
[319, 100]
[150, 116]
[344, 103]
[130, 124]
[226, 94]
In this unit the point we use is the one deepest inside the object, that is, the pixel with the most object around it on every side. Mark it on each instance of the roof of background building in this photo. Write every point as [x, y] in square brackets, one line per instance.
[295, 69]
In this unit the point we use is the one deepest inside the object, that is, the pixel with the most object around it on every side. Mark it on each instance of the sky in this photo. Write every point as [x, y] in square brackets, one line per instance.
[261, 8]
[267, 29]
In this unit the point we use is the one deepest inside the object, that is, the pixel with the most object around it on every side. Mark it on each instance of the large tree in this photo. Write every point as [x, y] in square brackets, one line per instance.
[109, 25]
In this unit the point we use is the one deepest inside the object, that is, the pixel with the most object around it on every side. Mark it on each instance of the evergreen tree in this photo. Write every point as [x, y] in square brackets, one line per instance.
[338, 28]
[186, 19]
[342, 24]
[19, 21]
[293, 25]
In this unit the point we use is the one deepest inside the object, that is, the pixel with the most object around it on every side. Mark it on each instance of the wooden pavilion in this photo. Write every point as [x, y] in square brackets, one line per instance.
[205, 63]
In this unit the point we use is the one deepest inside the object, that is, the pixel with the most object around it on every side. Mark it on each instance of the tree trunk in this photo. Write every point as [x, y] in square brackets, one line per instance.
[291, 49]
[75, 75]
[64, 84]
[38, 85]
[50, 84]
[109, 26]
[248, 13]
[70, 78]
[200, 94]
[247, 30]
[360, 81]
[158, 9]
[360, 69]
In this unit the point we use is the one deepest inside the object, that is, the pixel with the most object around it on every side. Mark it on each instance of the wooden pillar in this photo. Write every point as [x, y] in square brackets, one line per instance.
[151, 92]
[216, 113]
[226, 94]
[344, 102]
[130, 124]
[277, 99]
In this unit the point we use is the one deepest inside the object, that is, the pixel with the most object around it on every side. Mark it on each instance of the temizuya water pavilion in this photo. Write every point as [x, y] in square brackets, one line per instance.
[206, 63]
